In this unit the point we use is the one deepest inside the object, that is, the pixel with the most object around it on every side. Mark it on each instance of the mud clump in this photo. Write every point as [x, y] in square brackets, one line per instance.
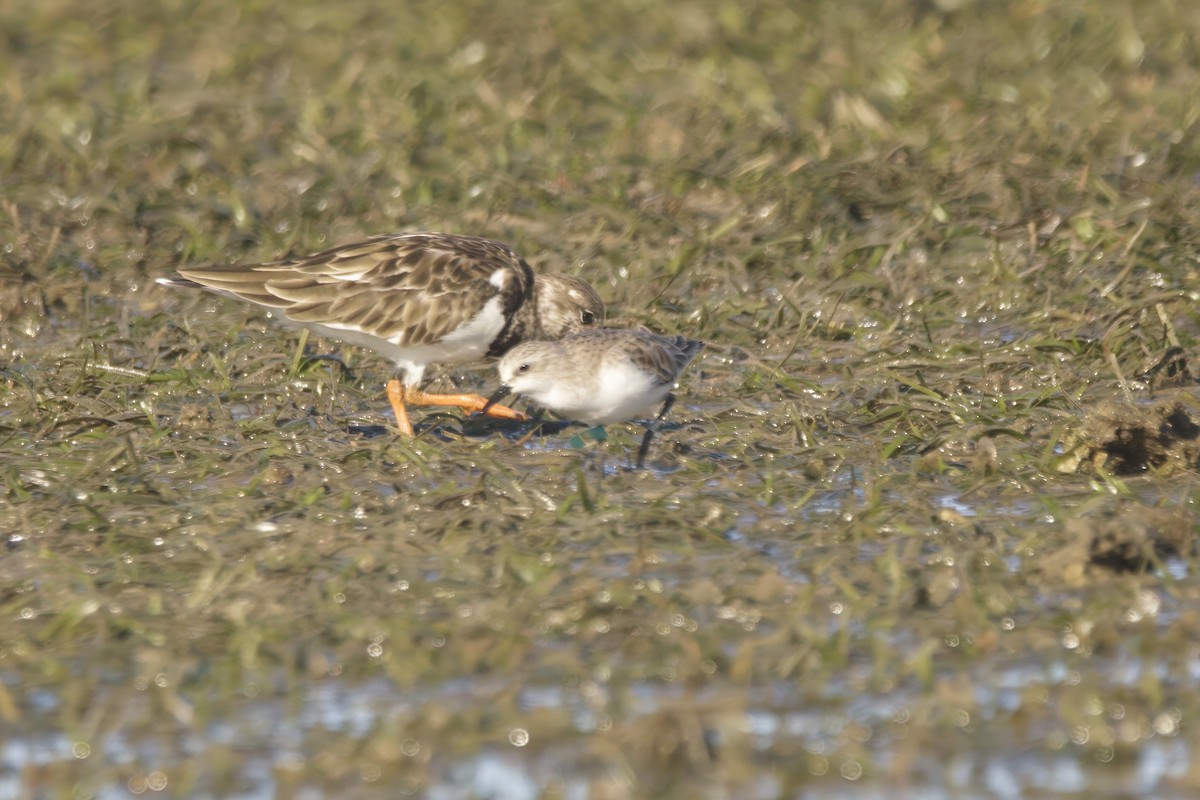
[1130, 538]
[1126, 440]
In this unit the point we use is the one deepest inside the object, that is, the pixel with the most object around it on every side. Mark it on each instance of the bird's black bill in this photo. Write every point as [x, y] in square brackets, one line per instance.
[496, 397]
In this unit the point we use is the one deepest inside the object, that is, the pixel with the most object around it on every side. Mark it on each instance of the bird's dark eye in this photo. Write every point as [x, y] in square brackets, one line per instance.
[522, 368]
[587, 317]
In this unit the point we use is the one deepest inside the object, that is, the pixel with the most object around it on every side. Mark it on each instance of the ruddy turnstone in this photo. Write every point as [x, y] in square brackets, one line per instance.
[599, 376]
[416, 298]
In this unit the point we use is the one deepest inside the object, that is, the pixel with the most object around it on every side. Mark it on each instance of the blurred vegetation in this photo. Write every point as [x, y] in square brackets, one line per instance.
[924, 523]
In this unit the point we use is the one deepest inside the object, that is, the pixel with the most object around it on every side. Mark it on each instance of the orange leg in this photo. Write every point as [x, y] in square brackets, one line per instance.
[395, 393]
[469, 402]
[400, 395]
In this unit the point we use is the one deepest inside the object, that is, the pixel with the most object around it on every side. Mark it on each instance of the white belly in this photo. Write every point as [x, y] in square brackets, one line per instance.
[620, 392]
[470, 342]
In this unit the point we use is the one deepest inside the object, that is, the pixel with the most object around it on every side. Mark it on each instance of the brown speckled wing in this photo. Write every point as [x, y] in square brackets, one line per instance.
[410, 288]
[664, 356]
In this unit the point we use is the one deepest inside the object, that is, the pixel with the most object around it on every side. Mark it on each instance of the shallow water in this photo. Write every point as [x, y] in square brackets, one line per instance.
[274, 741]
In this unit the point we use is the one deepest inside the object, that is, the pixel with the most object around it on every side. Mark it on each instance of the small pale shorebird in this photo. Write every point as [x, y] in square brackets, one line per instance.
[416, 298]
[599, 376]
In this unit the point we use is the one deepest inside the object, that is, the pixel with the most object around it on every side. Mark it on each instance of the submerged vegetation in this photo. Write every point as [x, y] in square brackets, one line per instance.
[922, 521]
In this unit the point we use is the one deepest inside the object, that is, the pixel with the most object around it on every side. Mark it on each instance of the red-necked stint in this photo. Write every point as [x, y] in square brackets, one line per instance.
[599, 376]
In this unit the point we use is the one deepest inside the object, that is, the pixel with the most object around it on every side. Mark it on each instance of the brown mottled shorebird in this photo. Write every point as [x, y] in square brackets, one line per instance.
[416, 298]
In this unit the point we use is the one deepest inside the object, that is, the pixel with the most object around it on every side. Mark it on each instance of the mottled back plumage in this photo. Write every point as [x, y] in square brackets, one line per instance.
[417, 298]
[407, 289]
[662, 356]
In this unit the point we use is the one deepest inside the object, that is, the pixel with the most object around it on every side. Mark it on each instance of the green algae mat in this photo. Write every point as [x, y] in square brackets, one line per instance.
[921, 524]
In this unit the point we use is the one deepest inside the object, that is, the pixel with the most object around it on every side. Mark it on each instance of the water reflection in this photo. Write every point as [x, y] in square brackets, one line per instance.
[846, 738]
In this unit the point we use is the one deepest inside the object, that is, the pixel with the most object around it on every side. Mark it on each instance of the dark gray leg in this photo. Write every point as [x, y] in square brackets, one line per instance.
[651, 428]
[645, 448]
[670, 401]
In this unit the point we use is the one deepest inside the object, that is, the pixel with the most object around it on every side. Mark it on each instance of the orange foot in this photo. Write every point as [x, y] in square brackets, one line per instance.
[399, 395]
